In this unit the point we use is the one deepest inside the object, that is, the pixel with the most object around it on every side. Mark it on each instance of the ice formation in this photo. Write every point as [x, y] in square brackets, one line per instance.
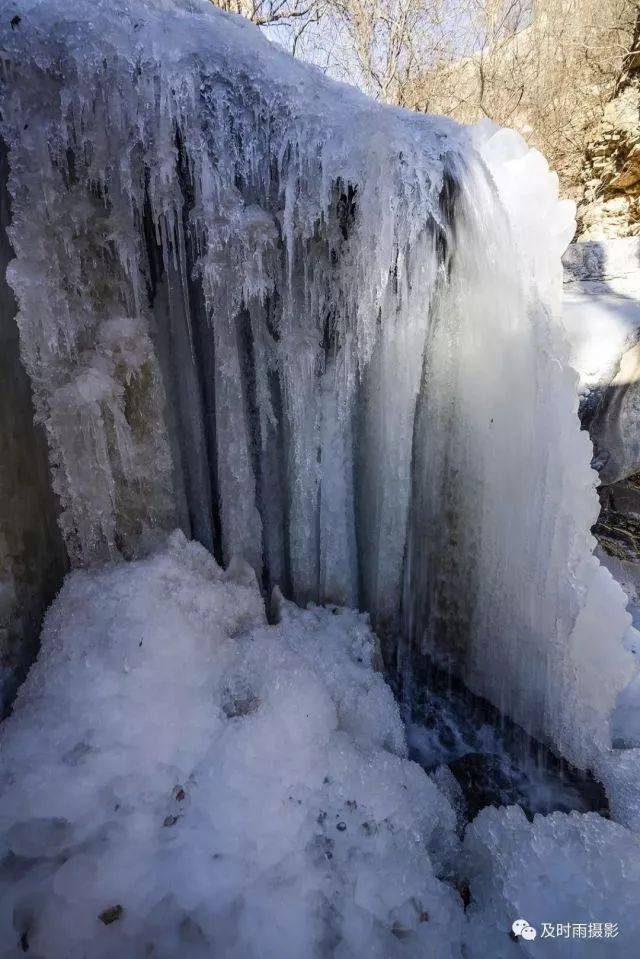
[317, 333]
[574, 878]
[601, 313]
[180, 779]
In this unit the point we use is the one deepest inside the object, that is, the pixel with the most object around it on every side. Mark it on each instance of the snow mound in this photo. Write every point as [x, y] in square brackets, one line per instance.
[574, 875]
[181, 779]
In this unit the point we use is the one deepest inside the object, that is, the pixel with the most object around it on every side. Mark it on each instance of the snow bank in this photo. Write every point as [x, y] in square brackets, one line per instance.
[180, 779]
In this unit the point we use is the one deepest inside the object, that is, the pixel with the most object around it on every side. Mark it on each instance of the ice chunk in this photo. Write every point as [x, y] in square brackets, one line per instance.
[572, 877]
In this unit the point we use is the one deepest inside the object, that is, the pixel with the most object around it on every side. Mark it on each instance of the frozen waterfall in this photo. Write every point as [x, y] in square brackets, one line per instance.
[316, 333]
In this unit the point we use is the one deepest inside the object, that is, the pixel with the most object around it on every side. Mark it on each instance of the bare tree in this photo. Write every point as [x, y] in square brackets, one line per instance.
[292, 17]
[545, 67]
[392, 42]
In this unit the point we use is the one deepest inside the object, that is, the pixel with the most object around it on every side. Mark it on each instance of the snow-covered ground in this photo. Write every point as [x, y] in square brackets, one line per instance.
[180, 779]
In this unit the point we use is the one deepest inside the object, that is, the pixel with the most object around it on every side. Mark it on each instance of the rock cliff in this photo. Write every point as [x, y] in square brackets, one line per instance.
[611, 202]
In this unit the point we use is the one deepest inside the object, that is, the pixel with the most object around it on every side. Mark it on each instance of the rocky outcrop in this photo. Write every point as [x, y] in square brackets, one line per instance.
[611, 202]
[618, 525]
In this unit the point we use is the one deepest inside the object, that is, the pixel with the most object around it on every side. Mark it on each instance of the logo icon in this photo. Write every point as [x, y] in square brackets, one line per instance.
[522, 928]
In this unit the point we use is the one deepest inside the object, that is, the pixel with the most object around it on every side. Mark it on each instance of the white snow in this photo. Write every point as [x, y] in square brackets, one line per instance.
[181, 779]
[601, 307]
[562, 870]
[600, 326]
[237, 789]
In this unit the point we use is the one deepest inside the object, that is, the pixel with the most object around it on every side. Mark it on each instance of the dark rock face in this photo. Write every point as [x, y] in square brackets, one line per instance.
[482, 780]
[32, 555]
[618, 525]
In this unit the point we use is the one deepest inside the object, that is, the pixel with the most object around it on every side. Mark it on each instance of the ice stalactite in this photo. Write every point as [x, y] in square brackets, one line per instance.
[273, 258]
[313, 331]
[500, 581]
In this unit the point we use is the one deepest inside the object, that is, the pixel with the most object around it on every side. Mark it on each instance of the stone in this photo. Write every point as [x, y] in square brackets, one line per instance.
[482, 780]
[112, 914]
[610, 204]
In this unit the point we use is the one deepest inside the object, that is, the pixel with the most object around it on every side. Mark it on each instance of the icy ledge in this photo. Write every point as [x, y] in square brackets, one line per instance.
[181, 779]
